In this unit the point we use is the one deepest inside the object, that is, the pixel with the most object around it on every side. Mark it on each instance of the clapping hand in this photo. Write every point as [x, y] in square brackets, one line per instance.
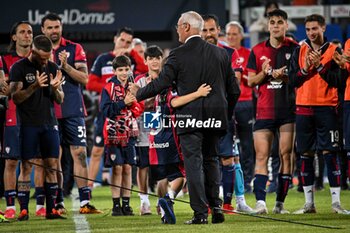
[62, 56]
[279, 73]
[57, 81]
[266, 67]
[307, 61]
[315, 58]
[41, 79]
[4, 87]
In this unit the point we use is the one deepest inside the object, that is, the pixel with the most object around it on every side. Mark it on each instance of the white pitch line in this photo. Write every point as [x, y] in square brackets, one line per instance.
[81, 224]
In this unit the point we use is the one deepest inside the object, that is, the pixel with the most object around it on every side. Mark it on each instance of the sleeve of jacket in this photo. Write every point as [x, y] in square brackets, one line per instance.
[137, 108]
[108, 107]
[232, 89]
[332, 74]
[296, 77]
[165, 79]
[94, 83]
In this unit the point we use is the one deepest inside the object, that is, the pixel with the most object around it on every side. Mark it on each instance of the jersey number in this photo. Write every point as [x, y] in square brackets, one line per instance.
[82, 132]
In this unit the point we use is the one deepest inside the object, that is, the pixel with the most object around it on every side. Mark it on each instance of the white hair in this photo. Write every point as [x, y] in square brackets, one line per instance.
[234, 23]
[194, 19]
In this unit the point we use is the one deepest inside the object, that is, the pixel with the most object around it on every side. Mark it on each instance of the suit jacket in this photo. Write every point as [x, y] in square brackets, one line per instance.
[188, 66]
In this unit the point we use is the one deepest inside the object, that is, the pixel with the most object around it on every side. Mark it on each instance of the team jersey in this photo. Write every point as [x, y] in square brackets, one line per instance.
[318, 87]
[8, 60]
[120, 120]
[73, 104]
[347, 89]
[37, 109]
[233, 54]
[242, 61]
[101, 72]
[276, 99]
[164, 145]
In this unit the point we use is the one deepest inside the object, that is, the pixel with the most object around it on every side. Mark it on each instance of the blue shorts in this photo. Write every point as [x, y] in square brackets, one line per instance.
[73, 131]
[317, 132]
[98, 130]
[40, 140]
[170, 171]
[346, 125]
[225, 144]
[272, 124]
[142, 157]
[12, 142]
[116, 155]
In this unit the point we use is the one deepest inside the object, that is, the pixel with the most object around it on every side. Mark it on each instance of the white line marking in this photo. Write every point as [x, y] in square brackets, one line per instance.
[81, 224]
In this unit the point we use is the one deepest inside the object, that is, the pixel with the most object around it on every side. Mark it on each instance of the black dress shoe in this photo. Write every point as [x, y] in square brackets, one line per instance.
[217, 215]
[197, 221]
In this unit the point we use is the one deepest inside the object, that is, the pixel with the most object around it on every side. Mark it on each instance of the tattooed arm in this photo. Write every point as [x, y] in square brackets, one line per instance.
[19, 94]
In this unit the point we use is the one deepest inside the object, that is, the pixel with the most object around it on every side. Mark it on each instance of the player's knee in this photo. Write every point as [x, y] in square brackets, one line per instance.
[97, 152]
[11, 165]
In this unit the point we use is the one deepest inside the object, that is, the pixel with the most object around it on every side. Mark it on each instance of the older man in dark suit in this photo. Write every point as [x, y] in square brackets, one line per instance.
[201, 122]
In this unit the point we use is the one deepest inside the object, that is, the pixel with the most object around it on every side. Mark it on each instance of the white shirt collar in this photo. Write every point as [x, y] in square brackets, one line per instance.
[191, 37]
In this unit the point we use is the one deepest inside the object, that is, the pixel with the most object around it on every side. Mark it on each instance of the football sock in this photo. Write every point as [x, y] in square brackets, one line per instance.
[23, 195]
[172, 194]
[284, 181]
[335, 193]
[116, 202]
[260, 187]
[307, 170]
[10, 196]
[239, 180]
[40, 196]
[144, 198]
[228, 177]
[333, 169]
[51, 194]
[125, 201]
[59, 198]
[84, 195]
[309, 194]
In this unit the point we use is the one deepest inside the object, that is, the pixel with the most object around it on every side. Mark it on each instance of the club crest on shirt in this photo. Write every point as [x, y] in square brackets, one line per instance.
[240, 60]
[288, 55]
[30, 78]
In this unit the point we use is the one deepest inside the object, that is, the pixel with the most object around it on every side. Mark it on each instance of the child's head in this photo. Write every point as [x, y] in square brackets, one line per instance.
[153, 58]
[122, 67]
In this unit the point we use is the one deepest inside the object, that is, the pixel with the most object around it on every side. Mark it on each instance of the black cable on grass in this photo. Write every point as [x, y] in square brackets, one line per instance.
[187, 202]
[281, 220]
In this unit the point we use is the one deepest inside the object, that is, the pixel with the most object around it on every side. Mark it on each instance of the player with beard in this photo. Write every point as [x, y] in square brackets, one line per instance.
[20, 47]
[35, 84]
[232, 175]
[71, 58]
[315, 76]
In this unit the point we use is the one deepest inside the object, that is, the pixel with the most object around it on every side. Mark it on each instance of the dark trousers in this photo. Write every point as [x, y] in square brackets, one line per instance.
[244, 118]
[202, 169]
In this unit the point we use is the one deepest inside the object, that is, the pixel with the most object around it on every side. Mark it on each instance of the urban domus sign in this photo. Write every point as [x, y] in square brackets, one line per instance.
[106, 15]
[74, 17]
